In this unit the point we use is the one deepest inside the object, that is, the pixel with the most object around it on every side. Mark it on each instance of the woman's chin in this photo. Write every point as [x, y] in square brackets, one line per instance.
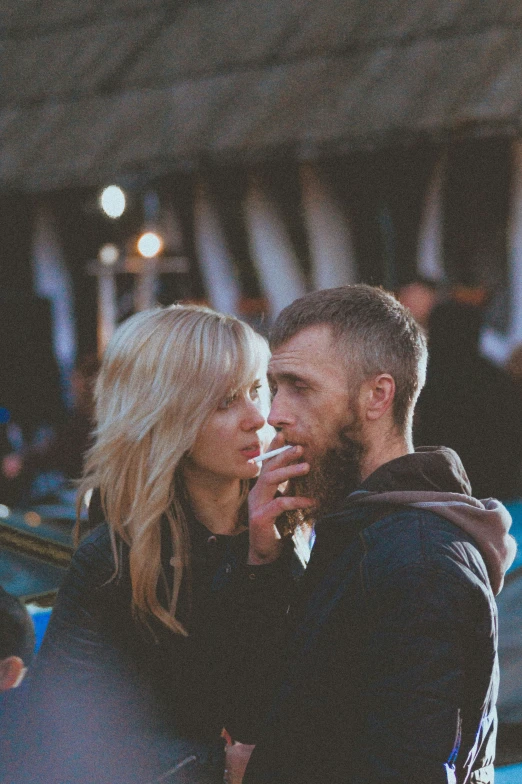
[251, 470]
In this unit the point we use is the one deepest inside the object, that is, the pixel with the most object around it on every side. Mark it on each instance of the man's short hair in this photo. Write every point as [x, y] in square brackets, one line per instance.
[17, 635]
[374, 332]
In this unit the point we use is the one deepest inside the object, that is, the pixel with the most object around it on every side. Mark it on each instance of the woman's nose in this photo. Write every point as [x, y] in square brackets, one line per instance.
[253, 419]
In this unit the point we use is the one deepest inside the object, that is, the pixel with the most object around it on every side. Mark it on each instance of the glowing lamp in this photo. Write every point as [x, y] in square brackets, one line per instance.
[112, 201]
[33, 519]
[149, 245]
[108, 254]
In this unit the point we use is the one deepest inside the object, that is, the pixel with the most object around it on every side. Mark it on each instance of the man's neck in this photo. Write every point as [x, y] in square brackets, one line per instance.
[383, 448]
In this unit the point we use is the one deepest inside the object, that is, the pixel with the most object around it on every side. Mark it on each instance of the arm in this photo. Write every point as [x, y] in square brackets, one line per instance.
[255, 597]
[421, 647]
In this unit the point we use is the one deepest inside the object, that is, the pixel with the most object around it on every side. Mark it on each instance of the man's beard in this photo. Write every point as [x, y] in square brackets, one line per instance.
[333, 475]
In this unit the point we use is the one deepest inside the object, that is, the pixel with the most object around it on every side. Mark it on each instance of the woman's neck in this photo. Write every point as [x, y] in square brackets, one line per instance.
[215, 500]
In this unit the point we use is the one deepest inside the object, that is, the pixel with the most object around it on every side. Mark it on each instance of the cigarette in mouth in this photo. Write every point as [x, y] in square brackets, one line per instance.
[273, 453]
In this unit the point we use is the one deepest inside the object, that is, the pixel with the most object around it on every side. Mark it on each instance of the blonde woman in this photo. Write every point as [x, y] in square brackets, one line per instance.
[134, 678]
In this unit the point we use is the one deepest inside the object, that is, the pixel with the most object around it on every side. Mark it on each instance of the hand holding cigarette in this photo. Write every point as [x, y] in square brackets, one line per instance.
[265, 506]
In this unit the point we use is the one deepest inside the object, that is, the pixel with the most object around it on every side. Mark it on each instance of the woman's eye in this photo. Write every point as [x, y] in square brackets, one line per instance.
[227, 402]
[254, 391]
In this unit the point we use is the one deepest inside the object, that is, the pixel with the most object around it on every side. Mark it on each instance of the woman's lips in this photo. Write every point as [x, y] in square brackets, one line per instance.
[251, 452]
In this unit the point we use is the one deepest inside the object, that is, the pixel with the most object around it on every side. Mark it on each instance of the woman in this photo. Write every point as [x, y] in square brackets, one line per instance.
[129, 684]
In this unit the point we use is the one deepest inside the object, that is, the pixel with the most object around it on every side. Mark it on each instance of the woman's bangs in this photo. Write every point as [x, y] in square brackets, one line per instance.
[249, 357]
[237, 360]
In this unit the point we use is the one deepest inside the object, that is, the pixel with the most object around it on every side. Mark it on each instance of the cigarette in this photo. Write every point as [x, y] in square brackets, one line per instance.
[273, 453]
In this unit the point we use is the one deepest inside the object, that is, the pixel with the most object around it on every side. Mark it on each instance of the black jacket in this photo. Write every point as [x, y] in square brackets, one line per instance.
[392, 669]
[110, 701]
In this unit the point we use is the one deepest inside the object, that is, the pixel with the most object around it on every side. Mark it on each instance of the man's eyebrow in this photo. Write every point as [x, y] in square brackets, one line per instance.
[285, 376]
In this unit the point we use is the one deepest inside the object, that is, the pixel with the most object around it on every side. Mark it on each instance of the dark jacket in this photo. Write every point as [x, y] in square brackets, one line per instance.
[111, 701]
[392, 669]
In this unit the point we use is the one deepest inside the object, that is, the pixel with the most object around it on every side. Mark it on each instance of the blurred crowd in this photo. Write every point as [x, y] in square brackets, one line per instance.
[39, 463]
[468, 403]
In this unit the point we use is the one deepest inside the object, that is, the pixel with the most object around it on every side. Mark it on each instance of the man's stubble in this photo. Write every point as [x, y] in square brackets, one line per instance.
[333, 475]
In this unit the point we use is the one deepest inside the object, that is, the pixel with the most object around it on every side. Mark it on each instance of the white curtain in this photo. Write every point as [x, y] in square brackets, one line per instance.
[271, 248]
[494, 344]
[329, 236]
[430, 246]
[53, 281]
[217, 268]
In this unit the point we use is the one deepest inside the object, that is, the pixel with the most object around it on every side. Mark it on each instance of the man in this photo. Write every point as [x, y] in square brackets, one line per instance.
[391, 674]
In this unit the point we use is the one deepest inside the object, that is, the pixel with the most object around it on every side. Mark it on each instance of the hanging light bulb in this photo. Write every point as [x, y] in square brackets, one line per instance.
[150, 244]
[113, 201]
[108, 254]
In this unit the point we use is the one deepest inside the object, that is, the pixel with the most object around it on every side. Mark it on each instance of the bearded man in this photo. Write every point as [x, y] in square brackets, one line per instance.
[391, 672]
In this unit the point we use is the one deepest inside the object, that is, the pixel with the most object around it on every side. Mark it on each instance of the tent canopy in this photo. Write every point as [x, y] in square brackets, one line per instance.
[107, 89]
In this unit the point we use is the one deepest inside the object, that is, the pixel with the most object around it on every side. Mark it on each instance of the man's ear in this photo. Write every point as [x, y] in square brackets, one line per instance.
[377, 395]
[12, 672]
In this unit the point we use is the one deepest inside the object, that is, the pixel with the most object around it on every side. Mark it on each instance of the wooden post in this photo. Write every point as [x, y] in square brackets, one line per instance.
[146, 272]
[107, 314]
[145, 286]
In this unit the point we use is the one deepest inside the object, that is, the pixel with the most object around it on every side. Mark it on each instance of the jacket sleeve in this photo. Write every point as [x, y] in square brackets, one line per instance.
[253, 604]
[430, 635]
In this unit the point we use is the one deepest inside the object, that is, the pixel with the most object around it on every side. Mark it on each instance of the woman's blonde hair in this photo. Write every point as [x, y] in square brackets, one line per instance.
[163, 374]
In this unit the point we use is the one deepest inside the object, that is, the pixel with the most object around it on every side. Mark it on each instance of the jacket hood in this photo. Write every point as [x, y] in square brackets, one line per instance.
[434, 478]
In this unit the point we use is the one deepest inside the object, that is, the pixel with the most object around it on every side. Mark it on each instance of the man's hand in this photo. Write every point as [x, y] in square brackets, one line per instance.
[264, 507]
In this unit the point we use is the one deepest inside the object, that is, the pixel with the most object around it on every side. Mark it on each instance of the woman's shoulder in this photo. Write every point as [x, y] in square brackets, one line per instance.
[94, 558]
[97, 540]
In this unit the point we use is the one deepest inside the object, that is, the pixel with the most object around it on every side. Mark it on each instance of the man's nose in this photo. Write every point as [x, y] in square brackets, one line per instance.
[279, 415]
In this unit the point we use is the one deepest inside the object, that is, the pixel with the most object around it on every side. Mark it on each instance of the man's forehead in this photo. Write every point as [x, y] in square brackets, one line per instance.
[310, 349]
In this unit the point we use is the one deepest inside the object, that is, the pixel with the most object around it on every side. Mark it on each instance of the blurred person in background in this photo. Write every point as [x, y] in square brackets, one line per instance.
[131, 680]
[420, 297]
[42, 469]
[17, 640]
[514, 367]
[52, 464]
[12, 478]
[470, 404]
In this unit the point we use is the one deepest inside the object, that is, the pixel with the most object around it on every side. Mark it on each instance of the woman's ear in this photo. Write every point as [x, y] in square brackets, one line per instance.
[378, 395]
[12, 672]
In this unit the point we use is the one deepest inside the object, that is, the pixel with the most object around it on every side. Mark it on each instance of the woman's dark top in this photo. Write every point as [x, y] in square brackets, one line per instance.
[111, 700]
